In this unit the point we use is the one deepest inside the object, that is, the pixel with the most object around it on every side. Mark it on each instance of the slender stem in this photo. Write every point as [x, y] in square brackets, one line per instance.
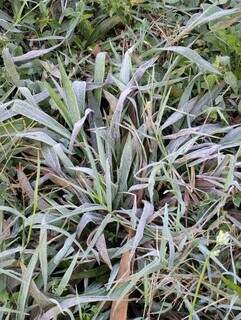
[198, 287]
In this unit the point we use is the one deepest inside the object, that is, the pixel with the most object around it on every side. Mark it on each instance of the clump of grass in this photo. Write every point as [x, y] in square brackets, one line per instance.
[119, 181]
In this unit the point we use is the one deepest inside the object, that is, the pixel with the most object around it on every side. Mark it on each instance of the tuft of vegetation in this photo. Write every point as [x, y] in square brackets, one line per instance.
[120, 158]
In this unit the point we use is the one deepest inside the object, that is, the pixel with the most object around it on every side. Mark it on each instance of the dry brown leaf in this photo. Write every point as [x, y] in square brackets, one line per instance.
[28, 190]
[96, 50]
[102, 249]
[119, 309]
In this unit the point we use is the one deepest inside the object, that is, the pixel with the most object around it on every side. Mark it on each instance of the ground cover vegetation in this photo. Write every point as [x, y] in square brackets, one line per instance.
[120, 159]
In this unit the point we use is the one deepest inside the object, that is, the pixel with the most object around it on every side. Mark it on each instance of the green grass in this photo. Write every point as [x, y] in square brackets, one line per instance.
[120, 150]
